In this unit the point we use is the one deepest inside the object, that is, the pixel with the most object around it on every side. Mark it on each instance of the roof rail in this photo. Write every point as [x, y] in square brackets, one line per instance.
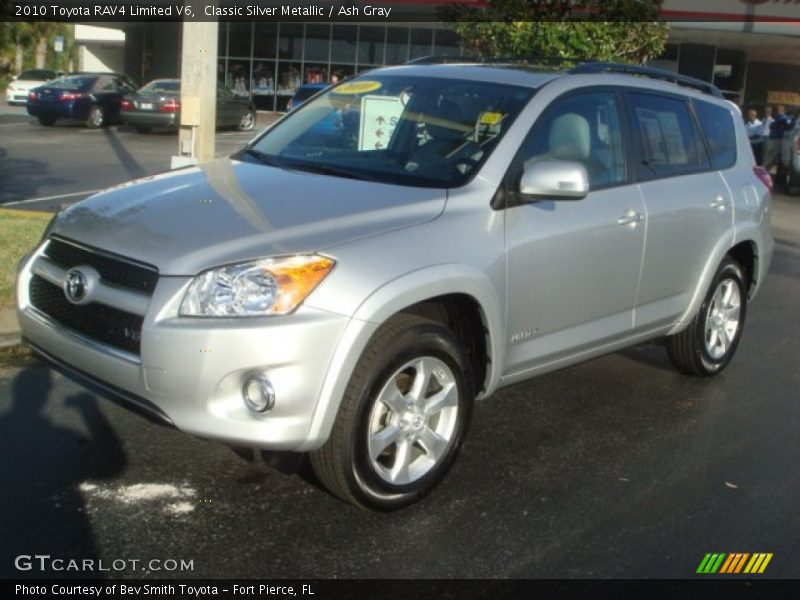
[543, 60]
[653, 73]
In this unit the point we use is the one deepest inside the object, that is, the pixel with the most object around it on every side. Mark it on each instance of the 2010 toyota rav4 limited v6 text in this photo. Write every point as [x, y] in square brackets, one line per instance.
[401, 245]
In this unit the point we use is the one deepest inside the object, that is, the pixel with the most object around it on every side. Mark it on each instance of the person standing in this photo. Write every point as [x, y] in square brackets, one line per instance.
[779, 126]
[755, 130]
[766, 123]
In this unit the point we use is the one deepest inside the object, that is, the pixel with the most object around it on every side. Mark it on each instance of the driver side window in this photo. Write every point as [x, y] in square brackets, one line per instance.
[584, 128]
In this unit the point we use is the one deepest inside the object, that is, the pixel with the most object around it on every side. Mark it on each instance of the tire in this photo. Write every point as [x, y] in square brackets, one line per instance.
[247, 121]
[707, 345]
[46, 121]
[412, 449]
[96, 117]
[143, 129]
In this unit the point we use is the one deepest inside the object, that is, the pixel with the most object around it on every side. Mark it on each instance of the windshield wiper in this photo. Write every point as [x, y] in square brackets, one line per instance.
[328, 170]
[262, 157]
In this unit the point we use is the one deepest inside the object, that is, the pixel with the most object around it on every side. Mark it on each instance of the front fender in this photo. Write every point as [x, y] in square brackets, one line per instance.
[388, 300]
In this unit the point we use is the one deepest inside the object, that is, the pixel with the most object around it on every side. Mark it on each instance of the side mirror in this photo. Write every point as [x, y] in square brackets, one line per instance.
[554, 180]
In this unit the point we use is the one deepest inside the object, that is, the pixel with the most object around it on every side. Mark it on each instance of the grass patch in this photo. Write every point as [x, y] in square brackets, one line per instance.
[20, 231]
[17, 356]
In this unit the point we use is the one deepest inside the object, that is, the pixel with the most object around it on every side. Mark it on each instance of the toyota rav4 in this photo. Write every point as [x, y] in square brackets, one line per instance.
[403, 244]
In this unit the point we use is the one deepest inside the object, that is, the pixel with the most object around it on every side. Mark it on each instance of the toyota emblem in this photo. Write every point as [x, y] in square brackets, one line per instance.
[75, 286]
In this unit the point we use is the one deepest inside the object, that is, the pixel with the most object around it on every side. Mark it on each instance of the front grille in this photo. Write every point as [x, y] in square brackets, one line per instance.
[112, 270]
[108, 325]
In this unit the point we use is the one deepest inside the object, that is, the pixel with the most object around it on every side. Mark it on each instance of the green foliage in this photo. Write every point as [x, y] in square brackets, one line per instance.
[29, 36]
[615, 30]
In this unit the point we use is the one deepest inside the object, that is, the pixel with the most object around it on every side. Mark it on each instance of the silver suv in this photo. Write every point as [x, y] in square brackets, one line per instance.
[403, 244]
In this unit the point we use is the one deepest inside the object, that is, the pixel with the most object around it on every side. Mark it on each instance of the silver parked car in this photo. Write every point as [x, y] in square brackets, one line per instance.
[402, 245]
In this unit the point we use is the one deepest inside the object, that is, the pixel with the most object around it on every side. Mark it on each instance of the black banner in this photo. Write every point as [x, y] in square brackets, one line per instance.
[366, 589]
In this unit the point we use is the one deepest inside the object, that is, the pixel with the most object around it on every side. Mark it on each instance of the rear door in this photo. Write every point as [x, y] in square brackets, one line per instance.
[689, 204]
[109, 96]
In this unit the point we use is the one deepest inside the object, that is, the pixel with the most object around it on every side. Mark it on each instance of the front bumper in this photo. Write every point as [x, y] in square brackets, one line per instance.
[190, 372]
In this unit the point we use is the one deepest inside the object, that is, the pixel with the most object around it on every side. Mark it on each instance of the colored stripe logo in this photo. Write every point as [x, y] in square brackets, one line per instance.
[737, 562]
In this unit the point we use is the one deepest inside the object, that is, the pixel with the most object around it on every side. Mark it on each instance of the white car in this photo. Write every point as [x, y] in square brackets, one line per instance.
[17, 90]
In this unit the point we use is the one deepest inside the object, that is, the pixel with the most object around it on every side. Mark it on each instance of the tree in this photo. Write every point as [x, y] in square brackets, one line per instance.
[608, 30]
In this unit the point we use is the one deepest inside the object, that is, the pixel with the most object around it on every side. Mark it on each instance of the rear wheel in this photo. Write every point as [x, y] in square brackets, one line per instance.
[402, 419]
[248, 121]
[707, 345]
[143, 129]
[96, 117]
[46, 121]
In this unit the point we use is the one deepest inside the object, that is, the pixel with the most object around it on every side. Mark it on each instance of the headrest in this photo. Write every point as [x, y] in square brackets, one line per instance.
[570, 137]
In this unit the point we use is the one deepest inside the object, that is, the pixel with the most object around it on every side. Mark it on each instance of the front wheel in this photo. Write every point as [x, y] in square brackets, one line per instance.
[707, 345]
[402, 419]
[247, 121]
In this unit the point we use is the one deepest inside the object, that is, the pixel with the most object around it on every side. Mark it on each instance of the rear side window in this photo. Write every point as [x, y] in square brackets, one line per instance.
[719, 129]
[666, 136]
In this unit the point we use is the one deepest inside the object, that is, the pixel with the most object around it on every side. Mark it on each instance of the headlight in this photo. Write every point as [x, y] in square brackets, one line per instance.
[273, 286]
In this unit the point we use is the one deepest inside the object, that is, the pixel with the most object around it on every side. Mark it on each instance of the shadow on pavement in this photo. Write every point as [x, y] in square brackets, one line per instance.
[22, 178]
[132, 168]
[42, 466]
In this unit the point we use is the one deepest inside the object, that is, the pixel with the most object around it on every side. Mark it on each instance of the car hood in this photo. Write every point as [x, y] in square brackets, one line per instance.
[226, 211]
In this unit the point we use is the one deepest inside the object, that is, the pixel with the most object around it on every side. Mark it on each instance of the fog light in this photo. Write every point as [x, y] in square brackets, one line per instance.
[259, 395]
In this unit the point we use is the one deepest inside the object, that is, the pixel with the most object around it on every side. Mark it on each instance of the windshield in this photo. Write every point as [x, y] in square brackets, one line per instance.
[74, 82]
[163, 86]
[416, 131]
[36, 75]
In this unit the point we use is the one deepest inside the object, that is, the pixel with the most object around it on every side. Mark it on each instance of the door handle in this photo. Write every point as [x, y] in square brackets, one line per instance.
[631, 217]
[719, 202]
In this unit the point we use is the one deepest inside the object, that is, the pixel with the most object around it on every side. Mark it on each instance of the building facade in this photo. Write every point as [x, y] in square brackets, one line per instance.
[753, 63]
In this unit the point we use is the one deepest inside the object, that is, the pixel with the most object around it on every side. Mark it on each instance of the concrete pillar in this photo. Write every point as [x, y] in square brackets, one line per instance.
[198, 93]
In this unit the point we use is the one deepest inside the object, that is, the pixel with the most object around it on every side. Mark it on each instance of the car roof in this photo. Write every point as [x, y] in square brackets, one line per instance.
[510, 74]
[534, 75]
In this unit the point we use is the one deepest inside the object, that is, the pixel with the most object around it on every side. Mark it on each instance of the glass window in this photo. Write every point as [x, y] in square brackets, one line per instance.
[584, 128]
[370, 44]
[239, 39]
[222, 46]
[106, 84]
[290, 44]
[718, 127]
[317, 42]
[265, 40]
[396, 45]
[343, 45]
[238, 77]
[421, 43]
[666, 135]
[447, 43]
[416, 131]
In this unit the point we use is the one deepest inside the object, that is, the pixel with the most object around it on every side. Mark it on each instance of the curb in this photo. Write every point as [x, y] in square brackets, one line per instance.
[9, 328]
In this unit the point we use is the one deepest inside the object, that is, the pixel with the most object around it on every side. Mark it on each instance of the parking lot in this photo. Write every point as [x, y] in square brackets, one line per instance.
[619, 467]
[44, 167]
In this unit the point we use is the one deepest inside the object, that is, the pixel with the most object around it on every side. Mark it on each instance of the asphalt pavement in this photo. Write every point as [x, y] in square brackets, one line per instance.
[43, 168]
[618, 467]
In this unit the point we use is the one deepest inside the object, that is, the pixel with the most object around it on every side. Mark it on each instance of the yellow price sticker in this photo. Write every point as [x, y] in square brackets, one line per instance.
[490, 118]
[357, 87]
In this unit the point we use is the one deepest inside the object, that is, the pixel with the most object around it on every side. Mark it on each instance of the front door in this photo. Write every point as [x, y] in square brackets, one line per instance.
[573, 266]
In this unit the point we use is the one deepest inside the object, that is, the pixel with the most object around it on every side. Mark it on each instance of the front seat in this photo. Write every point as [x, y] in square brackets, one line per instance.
[570, 139]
